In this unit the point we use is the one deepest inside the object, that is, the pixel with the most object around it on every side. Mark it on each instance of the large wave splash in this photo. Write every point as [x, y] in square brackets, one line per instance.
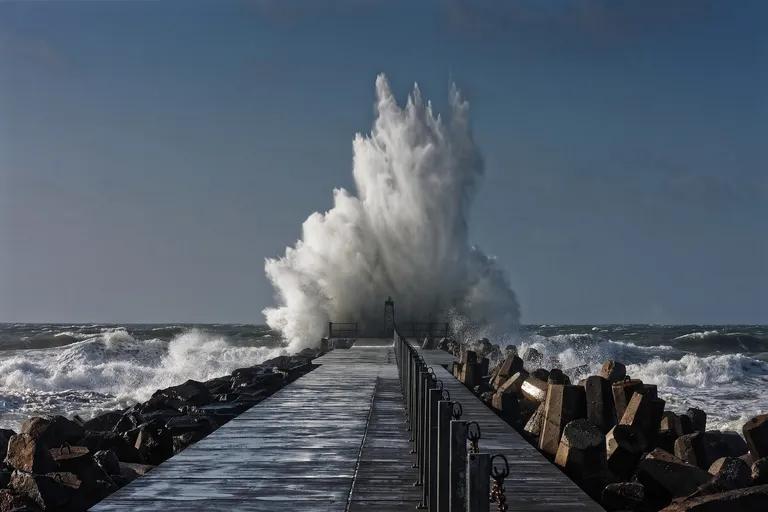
[404, 234]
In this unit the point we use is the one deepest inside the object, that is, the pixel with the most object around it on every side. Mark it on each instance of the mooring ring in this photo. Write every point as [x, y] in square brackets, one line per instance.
[504, 472]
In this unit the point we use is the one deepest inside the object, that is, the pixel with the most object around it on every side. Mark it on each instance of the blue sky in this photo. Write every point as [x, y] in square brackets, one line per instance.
[152, 154]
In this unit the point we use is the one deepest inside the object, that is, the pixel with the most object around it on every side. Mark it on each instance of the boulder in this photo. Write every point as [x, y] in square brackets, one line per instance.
[624, 446]
[622, 394]
[533, 356]
[534, 389]
[667, 476]
[155, 442]
[671, 422]
[698, 419]
[14, 502]
[104, 422]
[51, 491]
[704, 448]
[730, 473]
[219, 385]
[130, 419]
[511, 365]
[751, 499]
[730, 442]
[191, 392]
[613, 371]
[255, 378]
[600, 408]
[130, 471]
[52, 431]
[533, 425]
[756, 433]
[582, 449]
[760, 471]
[690, 448]
[643, 413]
[25, 453]
[108, 462]
[623, 496]
[564, 403]
[125, 451]
[5, 436]
[556, 376]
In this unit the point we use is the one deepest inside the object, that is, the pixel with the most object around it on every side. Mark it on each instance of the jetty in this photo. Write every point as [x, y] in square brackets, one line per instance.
[379, 426]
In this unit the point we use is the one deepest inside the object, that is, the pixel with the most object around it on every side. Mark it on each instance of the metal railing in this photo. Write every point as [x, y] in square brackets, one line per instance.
[342, 329]
[452, 472]
[421, 330]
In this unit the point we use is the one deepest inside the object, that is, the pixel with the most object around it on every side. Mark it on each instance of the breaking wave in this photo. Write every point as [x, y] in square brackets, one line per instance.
[403, 233]
[113, 369]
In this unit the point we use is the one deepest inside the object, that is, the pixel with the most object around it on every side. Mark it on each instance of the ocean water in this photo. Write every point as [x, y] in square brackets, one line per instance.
[87, 369]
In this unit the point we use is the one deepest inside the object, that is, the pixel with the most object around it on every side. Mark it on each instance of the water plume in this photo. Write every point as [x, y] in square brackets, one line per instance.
[402, 234]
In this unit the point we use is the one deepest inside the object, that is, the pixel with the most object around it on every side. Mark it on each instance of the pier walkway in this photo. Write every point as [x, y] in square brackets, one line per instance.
[335, 440]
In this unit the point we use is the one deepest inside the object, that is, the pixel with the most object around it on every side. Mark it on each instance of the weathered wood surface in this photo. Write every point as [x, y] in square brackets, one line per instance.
[332, 440]
[534, 483]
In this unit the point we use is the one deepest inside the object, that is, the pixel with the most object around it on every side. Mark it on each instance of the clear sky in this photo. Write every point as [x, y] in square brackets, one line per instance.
[152, 154]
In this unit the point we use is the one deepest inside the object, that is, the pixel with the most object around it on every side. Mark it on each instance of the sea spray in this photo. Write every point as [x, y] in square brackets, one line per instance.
[402, 234]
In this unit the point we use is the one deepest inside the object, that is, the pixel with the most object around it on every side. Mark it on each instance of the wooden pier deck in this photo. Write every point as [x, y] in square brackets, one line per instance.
[335, 440]
[332, 440]
[534, 483]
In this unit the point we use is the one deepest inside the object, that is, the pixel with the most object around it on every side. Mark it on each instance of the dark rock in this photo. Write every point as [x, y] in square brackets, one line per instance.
[582, 449]
[27, 454]
[751, 499]
[703, 448]
[563, 405]
[622, 394]
[77, 460]
[731, 442]
[643, 413]
[760, 471]
[191, 392]
[52, 431]
[556, 376]
[5, 436]
[52, 491]
[624, 446]
[220, 385]
[541, 373]
[255, 378]
[613, 371]
[130, 472]
[665, 439]
[104, 422]
[756, 433]
[667, 476]
[68, 453]
[690, 448]
[730, 473]
[129, 421]
[600, 408]
[108, 462]
[534, 423]
[155, 442]
[125, 451]
[533, 356]
[14, 502]
[698, 419]
[623, 496]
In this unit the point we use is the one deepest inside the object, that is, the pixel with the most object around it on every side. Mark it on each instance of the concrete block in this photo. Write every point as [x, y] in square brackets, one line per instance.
[624, 447]
[756, 434]
[564, 403]
[601, 410]
[582, 449]
[622, 394]
[667, 477]
[613, 371]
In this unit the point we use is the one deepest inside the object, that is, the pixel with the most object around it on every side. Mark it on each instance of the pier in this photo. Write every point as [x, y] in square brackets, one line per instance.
[338, 439]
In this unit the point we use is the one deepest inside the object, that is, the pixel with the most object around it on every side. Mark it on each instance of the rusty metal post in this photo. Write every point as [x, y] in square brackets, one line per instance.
[478, 482]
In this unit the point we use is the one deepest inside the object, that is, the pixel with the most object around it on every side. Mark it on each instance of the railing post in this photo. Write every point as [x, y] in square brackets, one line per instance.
[444, 411]
[435, 395]
[458, 466]
[478, 482]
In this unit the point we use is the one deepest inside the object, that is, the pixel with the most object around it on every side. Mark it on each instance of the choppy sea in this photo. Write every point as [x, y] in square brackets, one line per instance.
[86, 369]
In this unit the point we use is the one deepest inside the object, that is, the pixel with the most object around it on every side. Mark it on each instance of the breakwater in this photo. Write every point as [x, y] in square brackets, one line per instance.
[612, 435]
[59, 463]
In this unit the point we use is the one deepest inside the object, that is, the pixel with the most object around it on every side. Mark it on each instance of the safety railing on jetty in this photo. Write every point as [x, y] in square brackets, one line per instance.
[452, 471]
[342, 329]
[421, 330]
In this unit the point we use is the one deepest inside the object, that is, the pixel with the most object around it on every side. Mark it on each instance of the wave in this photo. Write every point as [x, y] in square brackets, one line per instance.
[115, 368]
[717, 341]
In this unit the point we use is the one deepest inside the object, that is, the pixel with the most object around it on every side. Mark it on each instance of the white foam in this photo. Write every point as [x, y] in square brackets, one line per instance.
[403, 234]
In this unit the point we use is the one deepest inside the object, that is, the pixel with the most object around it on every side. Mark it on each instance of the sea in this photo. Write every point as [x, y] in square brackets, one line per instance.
[89, 369]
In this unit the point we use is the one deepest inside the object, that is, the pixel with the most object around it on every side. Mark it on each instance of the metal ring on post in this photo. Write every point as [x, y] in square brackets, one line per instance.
[474, 434]
[504, 472]
[457, 410]
[445, 395]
